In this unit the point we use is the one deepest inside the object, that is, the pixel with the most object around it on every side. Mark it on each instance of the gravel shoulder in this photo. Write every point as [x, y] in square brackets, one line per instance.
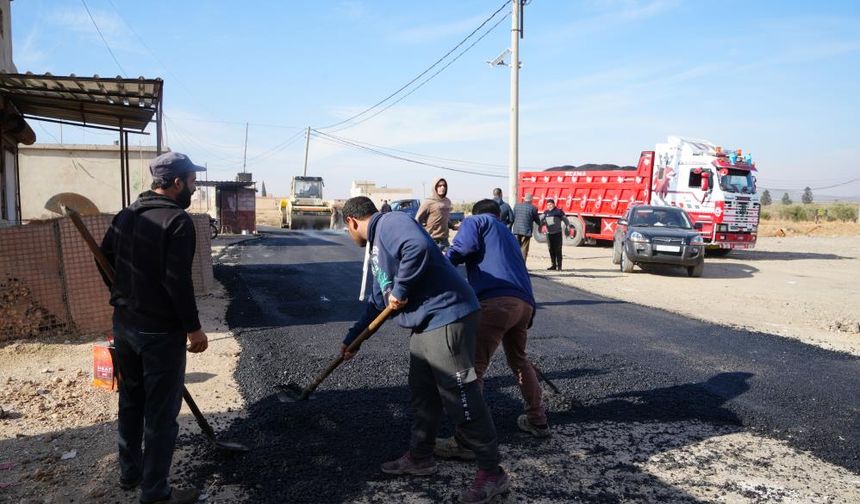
[798, 287]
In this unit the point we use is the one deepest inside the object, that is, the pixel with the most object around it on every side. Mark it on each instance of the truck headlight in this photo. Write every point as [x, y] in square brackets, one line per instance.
[697, 240]
[636, 237]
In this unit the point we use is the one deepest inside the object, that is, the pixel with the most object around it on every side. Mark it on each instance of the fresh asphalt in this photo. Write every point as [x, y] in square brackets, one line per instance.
[294, 295]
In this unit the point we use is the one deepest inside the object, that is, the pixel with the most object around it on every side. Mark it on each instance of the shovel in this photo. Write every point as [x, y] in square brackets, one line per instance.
[57, 206]
[292, 392]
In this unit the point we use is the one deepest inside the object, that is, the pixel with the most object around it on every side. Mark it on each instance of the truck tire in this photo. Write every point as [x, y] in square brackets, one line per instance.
[616, 252]
[626, 263]
[718, 252]
[578, 231]
[697, 270]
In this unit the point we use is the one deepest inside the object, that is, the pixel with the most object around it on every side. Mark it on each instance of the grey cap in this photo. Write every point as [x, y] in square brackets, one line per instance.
[172, 164]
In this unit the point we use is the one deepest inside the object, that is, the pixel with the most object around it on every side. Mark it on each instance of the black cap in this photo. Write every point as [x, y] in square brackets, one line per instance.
[172, 164]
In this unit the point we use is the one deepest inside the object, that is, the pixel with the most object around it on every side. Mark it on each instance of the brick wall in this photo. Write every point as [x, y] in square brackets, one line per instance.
[49, 280]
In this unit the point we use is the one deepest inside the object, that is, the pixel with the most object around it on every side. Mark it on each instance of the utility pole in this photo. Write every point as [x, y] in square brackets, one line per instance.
[514, 161]
[307, 145]
[245, 155]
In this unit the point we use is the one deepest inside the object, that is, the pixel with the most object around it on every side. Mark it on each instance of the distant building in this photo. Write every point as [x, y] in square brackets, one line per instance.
[92, 171]
[377, 194]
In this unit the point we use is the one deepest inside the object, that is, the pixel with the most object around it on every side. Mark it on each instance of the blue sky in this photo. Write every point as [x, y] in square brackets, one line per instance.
[601, 81]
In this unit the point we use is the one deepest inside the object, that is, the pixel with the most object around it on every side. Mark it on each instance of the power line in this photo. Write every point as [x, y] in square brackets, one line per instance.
[847, 182]
[427, 156]
[112, 55]
[348, 143]
[425, 81]
[380, 102]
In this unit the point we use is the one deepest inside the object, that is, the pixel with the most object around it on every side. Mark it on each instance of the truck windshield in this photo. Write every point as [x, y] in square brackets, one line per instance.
[305, 189]
[660, 217]
[737, 181]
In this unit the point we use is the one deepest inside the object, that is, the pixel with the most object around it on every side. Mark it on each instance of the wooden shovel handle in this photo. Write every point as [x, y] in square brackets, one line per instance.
[353, 347]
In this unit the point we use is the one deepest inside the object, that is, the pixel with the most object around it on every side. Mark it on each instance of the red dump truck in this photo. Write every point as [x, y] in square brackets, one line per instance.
[715, 186]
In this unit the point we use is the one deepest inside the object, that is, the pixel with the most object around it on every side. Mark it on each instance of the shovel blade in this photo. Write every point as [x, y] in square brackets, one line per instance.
[232, 446]
[290, 393]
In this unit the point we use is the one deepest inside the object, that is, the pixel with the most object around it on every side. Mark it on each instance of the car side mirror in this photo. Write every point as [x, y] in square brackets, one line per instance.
[698, 225]
[622, 222]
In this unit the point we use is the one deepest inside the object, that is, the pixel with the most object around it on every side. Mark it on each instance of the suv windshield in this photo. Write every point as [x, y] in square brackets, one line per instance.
[660, 217]
[737, 181]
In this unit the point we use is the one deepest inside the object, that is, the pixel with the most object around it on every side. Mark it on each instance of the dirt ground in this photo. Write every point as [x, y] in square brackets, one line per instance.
[803, 287]
[58, 437]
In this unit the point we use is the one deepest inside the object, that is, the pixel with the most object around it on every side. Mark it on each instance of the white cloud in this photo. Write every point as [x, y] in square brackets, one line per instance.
[30, 55]
[110, 24]
[427, 33]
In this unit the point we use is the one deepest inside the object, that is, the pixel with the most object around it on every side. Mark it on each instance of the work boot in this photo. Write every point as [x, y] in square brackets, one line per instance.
[449, 448]
[540, 431]
[551, 268]
[178, 496]
[408, 465]
[486, 486]
[129, 484]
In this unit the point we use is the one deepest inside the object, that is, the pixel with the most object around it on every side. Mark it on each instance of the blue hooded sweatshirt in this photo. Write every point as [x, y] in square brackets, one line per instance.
[493, 259]
[406, 262]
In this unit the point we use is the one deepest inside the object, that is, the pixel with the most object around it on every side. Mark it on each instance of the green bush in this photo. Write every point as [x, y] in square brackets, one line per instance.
[796, 213]
[765, 215]
[843, 212]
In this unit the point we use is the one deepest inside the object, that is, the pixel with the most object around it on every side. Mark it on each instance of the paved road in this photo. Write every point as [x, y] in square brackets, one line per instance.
[294, 296]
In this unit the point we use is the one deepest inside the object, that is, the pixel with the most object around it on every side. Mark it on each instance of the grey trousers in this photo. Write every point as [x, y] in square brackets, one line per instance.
[442, 375]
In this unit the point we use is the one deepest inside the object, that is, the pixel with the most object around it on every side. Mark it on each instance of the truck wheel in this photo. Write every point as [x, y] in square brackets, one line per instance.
[616, 252]
[577, 230]
[626, 263]
[539, 233]
[697, 270]
[718, 252]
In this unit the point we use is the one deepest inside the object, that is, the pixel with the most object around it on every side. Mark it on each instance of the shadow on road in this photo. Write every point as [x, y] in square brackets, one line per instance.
[766, 255]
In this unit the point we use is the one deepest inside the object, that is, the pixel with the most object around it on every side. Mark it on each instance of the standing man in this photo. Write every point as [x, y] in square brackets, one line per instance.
[504, 289]
[411, 275]
[151, 247]
[552, 219]
[435, 214]
[506, 215]
[385, 208]
[525, 214]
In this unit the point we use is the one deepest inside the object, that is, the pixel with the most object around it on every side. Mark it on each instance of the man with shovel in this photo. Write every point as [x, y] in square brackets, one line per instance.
[410, 274]
[151, 245]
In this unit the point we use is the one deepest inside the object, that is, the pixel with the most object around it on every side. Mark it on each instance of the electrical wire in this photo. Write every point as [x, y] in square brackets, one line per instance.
[112, 55]
[425, 81]
[431, 67]
[420, 155]
[847, 182]
[348, 143]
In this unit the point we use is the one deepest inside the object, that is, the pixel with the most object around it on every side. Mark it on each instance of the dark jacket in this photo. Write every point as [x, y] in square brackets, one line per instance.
[525, 214]
[151, 247]
[507, 214]
[405, 261]
[493, 259]
[385, 208]
[553, 219]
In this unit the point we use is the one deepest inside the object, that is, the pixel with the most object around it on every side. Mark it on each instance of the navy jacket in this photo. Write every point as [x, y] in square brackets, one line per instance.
[506, 213]
[553, 219]
[406, 262]
[493, 259]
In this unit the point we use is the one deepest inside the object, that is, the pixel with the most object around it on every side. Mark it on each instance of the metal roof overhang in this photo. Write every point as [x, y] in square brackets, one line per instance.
[114, 103]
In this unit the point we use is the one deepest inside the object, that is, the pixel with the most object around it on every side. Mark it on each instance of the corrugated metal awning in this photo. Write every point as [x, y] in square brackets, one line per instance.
[111, 102]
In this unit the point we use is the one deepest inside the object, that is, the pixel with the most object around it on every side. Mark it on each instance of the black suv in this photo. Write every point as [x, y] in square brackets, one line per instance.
[658, 234]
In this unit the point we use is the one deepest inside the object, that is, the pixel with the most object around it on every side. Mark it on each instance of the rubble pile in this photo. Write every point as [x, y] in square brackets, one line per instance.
[21, 316]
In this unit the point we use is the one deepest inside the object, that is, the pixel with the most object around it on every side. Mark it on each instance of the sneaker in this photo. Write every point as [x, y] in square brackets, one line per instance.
[178, 496]
[486, 486]
[541, 431]
[449, 448]
[408, 465]
[551, 268]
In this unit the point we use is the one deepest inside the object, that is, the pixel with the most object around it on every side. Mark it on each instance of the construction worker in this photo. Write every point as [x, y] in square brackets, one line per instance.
[410, 274]
[504, 289]
[151, 246]
[553, 218]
